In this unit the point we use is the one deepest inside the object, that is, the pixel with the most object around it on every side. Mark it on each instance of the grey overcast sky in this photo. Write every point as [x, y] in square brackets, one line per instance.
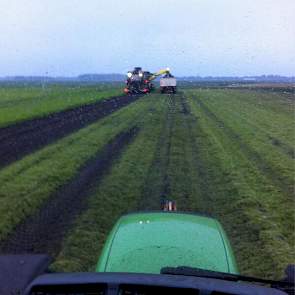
[192, 37]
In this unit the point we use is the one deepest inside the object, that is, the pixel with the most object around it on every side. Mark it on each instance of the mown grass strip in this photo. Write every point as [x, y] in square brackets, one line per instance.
[181, 171]
[259, 222]
[26, 184]
[265, 128]
[118, 193]
[272, 115]
[277, 167]
[19, 103]
[156, 187]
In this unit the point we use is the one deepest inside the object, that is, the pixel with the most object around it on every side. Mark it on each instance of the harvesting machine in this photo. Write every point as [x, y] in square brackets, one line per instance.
[139, 81]
[162, 252]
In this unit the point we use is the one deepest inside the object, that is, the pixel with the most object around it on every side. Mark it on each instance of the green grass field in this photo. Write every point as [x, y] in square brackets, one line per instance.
[23, 102]
[224, 152]
[195, 157]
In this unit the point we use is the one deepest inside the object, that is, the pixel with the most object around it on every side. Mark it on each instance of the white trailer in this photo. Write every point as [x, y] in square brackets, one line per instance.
[168, 85]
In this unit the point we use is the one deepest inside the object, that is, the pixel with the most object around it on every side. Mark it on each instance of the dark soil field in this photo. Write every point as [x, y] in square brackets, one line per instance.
[26, 137]
[227, 153]
[43, 231]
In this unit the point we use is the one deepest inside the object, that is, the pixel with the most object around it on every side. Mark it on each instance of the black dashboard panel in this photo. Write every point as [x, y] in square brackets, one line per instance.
[139, 284]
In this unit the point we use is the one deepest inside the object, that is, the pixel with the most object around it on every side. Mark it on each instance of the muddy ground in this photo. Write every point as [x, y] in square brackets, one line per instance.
[43, 232]
[23, 138]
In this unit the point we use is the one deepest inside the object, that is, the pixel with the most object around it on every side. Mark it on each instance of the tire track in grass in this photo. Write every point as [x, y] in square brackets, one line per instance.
[175, 169]
[181, 169]
[184, 166]
[171, 174]
[156, 186]
[201, 189]
[266, 169]
[283, 147]
[198, 185]
[23, 138]
[44, 231]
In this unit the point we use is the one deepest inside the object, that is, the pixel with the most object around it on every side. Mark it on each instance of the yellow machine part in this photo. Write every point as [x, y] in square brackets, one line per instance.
[159, 73]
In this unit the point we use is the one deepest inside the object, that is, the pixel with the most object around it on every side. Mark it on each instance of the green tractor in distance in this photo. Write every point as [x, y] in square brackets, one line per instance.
[163, 252]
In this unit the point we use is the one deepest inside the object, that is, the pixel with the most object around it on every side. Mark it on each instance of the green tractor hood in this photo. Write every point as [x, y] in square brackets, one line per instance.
[146, 242]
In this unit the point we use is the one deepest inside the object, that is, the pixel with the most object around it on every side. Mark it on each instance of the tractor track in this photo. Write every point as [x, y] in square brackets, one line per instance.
[283, 147]
[202, 169]
[155, 192]
[23, 138]
[157, 187]
[187, 124]
[44, 231]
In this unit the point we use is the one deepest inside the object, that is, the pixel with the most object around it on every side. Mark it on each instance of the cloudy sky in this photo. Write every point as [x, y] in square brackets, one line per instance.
[192, 37]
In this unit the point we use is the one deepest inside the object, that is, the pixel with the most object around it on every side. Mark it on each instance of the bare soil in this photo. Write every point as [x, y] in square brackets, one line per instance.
[43, 232]
[23, 138]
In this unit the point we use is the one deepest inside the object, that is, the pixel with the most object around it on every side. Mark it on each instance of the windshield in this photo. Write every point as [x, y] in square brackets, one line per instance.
[113, 107]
